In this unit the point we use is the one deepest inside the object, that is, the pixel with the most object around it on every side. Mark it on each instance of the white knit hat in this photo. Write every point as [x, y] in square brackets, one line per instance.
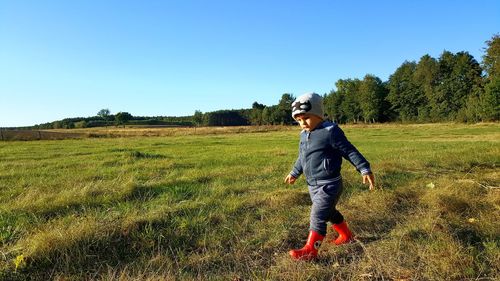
[310, 103]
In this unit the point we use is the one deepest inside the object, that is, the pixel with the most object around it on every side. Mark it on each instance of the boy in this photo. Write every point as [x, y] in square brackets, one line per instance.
[322, 146]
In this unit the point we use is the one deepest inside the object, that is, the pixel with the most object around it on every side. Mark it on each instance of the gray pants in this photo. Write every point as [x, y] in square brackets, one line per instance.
[324, 199]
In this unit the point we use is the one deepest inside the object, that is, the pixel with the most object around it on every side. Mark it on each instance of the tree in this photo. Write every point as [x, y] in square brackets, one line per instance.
[350, 106]
[270, 115]
[123, 117]
[489, 101]
[103, 113]
[284, 110]
[468, 79]
[256, 114]
[257, 105]
[491, 59]
[425, 78]
[226, 118]
[198, 117]
[274, 115]
[406, 95]
[459, 76]
[441, 97]
[81, 124]
[371, 96]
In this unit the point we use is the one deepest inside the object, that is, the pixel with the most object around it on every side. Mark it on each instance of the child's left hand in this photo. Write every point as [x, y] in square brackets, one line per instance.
[371, 180]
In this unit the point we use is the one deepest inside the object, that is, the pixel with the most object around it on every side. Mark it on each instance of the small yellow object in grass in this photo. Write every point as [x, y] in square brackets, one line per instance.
[472, 220]
[19, 261]
[430, 185]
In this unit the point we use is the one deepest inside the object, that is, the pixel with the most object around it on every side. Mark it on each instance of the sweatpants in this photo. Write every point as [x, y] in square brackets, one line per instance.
[324, 199]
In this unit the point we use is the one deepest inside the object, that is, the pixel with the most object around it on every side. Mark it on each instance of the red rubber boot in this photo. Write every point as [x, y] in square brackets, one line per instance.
[310, 250]
[345, 235]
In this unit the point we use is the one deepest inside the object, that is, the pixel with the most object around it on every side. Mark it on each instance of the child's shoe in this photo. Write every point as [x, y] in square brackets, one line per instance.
[310, 250]
[345, 235]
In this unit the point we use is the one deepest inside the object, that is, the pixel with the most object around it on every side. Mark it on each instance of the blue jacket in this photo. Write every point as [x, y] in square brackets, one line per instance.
[321, 152]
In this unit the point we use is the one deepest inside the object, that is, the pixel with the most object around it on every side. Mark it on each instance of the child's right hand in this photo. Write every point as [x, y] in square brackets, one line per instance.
[290, 179]
[370, 179]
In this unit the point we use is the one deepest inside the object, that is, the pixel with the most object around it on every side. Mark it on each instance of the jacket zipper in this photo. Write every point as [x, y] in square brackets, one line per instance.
[307, 147]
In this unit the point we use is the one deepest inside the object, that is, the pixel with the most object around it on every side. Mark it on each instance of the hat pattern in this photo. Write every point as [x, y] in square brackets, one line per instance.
[301, 106]
[310, 103]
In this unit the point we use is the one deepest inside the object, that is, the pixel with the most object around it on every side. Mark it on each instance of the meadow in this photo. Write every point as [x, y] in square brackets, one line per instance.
[213, 206]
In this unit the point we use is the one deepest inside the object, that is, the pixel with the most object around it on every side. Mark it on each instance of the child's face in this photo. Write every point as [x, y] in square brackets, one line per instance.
[308, 122]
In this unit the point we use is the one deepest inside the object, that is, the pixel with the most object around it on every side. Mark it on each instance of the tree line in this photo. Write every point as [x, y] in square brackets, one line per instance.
[452, 87]
[104, 118]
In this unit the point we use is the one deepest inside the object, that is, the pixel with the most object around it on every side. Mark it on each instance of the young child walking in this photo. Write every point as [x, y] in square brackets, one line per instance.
[322, 147]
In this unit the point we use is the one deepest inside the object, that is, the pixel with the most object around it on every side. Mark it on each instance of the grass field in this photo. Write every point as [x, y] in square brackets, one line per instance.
[213, 207]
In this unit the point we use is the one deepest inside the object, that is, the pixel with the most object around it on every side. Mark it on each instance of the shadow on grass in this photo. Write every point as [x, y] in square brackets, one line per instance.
[467, 235]
[371, 216]
[343, 255]
[177, 235]
[394, 178]
[288, 198]
[137, 155]
[174, 192]
[93, 255]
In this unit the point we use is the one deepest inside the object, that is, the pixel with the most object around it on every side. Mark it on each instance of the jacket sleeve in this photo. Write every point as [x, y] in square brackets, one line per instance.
[348, 151]
[297, 168]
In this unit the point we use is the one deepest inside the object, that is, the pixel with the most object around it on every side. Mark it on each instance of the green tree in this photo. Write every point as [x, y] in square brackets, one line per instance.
[256, 105]
[271, 115]
[103, 113]
[441, 96]
[490, 99]
[472, 110]
[81, 124]
[459, 76]
[350, 106]
[333, 103]
[491, 58]
[328, 105]
[198, 118]
[425, 78]
[275, 115]
[371, 95]
[123, 117]
[57, 125]
[403, 94]
[266, 116]
[256, 114]
[226, 118]
[283, 114]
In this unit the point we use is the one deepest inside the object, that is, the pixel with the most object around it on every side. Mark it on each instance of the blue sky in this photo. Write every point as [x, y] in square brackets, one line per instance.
[62, 59]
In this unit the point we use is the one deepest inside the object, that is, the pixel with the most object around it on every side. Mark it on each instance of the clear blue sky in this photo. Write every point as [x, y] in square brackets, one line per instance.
[71, 58]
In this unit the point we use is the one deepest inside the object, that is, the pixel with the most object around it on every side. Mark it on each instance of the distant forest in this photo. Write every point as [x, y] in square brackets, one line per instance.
[453, 87]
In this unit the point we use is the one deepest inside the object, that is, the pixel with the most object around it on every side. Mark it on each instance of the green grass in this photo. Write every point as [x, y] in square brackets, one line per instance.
[213, 207]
